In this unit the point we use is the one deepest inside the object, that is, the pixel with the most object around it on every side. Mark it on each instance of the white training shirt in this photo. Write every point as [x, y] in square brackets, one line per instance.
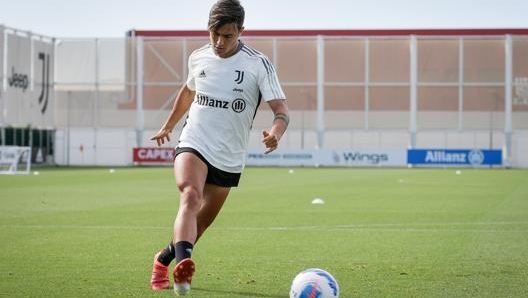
[228, 93]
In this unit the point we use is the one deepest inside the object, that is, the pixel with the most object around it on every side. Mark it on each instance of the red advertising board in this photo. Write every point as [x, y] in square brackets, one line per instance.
[153, 155]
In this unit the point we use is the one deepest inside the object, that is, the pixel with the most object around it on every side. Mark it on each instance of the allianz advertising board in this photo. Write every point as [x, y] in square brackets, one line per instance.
[460, 157]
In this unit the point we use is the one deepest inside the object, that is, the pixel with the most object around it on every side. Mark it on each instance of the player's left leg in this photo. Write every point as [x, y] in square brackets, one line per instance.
[214, 198]
[159, 279]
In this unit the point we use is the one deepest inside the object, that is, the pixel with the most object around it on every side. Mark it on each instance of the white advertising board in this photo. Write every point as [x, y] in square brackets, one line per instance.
[335, 158]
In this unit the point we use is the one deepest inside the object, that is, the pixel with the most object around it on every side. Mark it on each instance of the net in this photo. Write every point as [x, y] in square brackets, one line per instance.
[15, 160]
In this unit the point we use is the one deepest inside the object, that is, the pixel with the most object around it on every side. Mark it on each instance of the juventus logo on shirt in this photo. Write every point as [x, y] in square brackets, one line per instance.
[240, 76]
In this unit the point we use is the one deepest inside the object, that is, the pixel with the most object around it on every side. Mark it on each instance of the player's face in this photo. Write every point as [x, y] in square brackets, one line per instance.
[225, 40]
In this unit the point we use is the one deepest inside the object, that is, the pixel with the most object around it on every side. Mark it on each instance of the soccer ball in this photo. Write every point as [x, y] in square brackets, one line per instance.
[314, 283]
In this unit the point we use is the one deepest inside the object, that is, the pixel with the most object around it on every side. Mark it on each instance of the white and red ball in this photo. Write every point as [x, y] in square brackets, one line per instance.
[314, 283]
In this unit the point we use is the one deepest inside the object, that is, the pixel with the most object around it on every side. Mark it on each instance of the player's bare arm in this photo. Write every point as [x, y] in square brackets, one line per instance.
[182, 103]
[280, 124]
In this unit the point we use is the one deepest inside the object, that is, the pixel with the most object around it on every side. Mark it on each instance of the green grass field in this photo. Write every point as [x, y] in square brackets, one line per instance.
[381, 232]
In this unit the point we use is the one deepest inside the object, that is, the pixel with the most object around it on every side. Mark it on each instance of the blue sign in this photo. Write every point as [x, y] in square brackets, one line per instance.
[471, 157]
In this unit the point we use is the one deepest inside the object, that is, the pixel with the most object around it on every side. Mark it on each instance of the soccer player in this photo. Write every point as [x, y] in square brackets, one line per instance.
[227, 80]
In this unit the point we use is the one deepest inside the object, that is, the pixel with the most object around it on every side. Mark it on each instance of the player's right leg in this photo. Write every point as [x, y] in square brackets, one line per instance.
[182, 274]
[190, 172]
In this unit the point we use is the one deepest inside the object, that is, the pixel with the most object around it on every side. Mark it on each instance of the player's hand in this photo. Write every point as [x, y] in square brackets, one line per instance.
[270, 141]
[161, 136]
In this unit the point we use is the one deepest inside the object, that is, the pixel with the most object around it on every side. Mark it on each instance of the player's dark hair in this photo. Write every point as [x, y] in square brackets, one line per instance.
[226, 12]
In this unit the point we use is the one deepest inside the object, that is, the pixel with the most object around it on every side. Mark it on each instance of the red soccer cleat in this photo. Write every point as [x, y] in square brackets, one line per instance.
[160, 275]
[183, 273]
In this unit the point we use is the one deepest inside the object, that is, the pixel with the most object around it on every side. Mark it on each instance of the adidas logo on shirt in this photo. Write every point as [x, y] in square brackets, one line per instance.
[202, 74]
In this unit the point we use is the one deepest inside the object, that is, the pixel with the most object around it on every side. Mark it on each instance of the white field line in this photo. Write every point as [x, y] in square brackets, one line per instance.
[492, 227]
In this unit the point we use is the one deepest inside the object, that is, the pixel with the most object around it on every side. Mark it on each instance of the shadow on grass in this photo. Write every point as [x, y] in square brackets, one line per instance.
[235, 293]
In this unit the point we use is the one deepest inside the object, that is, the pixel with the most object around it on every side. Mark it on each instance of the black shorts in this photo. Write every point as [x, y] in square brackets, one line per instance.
[214, 175]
